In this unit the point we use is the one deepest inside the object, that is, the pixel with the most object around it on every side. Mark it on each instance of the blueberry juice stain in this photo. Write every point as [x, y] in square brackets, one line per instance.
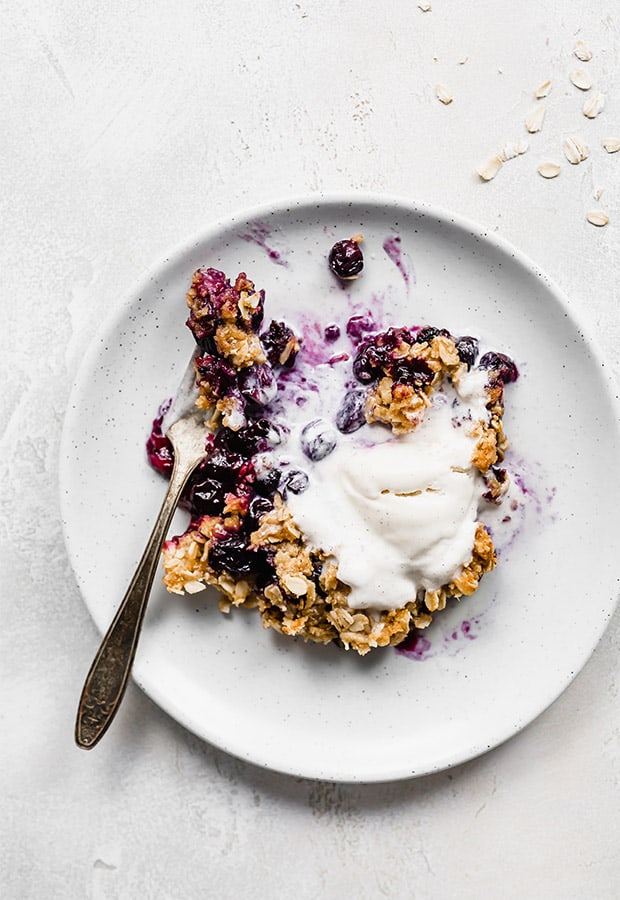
[258, 234]
[392, 247]
[158, 448]
[418, 647]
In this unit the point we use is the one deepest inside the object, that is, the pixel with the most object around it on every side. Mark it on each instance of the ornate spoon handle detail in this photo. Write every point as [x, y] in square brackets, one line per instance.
[108, 676]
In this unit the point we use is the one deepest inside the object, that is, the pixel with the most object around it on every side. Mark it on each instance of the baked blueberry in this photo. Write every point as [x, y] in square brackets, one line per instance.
[351, 415]
[500, 367]
[318, 439]
[346, 259]
[467, 349]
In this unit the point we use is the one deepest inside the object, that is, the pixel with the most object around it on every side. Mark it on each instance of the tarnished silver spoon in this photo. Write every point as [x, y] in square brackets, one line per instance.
[108, 676]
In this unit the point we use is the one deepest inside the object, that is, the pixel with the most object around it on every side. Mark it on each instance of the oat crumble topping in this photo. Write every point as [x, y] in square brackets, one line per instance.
[243, 538]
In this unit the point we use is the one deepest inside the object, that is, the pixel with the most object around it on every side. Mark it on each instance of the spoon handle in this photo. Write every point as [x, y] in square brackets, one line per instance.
[108, 676]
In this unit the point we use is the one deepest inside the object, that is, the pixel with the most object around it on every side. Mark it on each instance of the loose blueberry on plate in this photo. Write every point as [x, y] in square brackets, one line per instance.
[346, 259]
[318, 440]
[501, 367]
[351, 415]
[359, 325]
[467, 349]
[281, 344]
[296, 481]
[158, 448]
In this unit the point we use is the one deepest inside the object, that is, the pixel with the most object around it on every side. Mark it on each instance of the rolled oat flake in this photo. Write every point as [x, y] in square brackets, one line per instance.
[597, 217]
[513, 148]
[581, 79]
[594, 105]
[549, 170]
[582, 51]
[534, 119]
[612, 145]
[575, 151]
[542, 90]
[443, 94]
[489, 169]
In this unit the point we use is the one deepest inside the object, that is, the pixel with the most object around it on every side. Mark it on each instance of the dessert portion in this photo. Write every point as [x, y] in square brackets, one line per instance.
[341, 491]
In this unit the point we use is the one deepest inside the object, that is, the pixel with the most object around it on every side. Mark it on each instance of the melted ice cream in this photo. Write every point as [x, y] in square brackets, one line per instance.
[399, 515]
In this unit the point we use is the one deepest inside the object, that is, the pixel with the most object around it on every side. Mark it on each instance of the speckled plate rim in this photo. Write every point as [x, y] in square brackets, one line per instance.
[495, 737]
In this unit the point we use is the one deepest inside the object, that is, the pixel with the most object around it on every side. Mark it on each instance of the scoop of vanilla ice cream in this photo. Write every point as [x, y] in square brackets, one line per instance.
[399, 514]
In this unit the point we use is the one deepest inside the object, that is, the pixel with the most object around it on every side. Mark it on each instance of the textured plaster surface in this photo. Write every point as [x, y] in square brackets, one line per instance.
[127, 127]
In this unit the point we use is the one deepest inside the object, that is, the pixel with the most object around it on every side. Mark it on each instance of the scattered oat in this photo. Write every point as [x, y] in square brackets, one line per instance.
[463, 60]
[581, 79]
[597, 217]
[500, 71]
[582, 51]
[194, 587]
[575, 151]
[594, 105]
[598, 193]
[542, 90]
[612, 145]
[512, 149]
[534, 119]
[549, 170]
[442, 94]
[489, 169]
[425, 7]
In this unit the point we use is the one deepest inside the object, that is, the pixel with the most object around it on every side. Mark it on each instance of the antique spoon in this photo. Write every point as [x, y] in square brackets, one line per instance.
[108, 676]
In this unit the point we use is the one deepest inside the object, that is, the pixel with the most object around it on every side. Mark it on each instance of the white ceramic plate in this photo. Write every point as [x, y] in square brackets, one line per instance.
[495, 661]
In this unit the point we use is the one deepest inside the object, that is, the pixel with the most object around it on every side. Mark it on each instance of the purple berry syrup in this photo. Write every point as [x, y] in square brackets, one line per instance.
[423, 645]
[158, 448]
[414, 647]
[258, 234]
[393, 248]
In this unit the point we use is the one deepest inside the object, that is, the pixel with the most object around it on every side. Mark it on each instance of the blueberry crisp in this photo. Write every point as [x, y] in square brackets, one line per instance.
[344, 476]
